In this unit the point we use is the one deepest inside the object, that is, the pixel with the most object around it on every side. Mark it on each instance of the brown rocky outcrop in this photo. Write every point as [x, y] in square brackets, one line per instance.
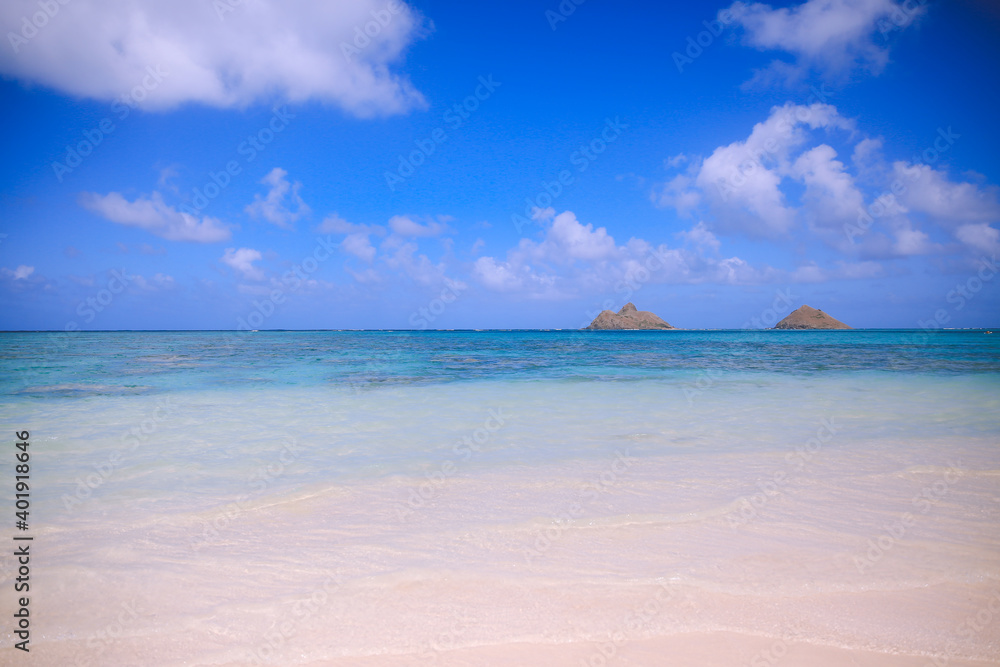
[810, 318]
[628, 318]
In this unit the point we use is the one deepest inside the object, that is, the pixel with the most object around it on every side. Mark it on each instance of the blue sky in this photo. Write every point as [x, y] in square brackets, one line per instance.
[496, 165]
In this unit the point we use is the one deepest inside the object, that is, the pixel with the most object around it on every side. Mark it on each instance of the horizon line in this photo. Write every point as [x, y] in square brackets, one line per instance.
[485, 330]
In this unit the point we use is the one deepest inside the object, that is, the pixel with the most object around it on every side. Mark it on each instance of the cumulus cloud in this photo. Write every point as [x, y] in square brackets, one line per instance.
[831, 195]
[575, 258]
[510, 276]
[981, 237]
[276, 206]
[785, 181]
[406, 259]
[932, 192]
[334, 224]
[833, 37]
[741, 181]
[156, 217]
[813, 273]
[242, 260]
[701, 237]
[220, 54]
[408, 227]
[20, 273]
[357, 241]
[398, 252]
[158, 281]
[678, 194]
[359, 245]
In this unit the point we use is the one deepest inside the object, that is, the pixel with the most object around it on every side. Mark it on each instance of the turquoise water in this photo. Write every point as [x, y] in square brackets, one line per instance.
[54, 365]
[376, 404]
[751, 468]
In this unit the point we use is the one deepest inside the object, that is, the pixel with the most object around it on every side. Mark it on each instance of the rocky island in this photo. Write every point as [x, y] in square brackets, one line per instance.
[628, 318]
[809, 318]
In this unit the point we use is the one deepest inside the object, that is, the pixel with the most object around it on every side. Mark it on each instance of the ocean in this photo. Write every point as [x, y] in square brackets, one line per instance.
[393, 498]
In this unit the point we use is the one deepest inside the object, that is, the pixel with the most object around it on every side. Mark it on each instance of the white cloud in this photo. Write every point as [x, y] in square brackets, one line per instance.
[503, 277]
[357, 241]
[156, 217]
[572, 240]
[542, 214]
[834, 37]
[913, 242]
[783, 181]
[406, 226]
[742, 181]
[20, 273]
[334, 224]
[831, 196]
[163, 280]
[982, 237]
[359, 245]
[158, 281]
[417, 267]
[574, 259]
[675, 161]
[230, 57]
[242, 261]
[813, 273]
[931, 192]
[701, 237]
[677, 193]
[273, 206]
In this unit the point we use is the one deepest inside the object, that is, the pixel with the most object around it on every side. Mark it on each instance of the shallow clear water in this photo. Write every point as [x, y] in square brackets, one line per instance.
[489, 487]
